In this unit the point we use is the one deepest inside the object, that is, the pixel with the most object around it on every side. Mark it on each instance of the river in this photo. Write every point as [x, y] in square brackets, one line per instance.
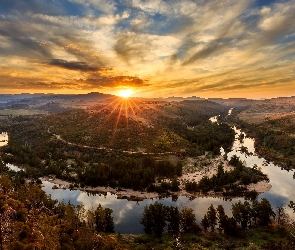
[127, 214]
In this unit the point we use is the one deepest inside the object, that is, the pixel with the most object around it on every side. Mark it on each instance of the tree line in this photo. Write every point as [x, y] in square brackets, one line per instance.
[157, 217]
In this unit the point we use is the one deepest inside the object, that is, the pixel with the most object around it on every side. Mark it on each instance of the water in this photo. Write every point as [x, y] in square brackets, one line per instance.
[3, 142]
[3, 139]
[282, 181]
[214, 119]
[13, 167]
[127, 214]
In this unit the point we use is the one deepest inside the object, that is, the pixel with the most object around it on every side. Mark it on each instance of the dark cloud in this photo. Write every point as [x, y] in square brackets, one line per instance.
[96, 80]
[72, 65]
[91, 80]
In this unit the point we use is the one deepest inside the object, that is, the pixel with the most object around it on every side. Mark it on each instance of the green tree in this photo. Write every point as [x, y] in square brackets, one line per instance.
[154, 219]
[173, 218]
[205, 223]
[147, 220]
[103, 219]
[188, 221]
[231, 227]
[242, 213]
[212, 217]
[222, 219]
[265, 212]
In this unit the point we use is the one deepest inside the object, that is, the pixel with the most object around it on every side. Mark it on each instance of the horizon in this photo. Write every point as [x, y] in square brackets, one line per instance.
[137, 97]
[154, 48]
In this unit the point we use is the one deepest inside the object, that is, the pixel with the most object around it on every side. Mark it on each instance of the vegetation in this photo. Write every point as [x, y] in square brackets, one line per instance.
[87, 149]
[274, 134]
[94, 148]
[230, 182]
[157, 216]
[30, 219]
[253, 226]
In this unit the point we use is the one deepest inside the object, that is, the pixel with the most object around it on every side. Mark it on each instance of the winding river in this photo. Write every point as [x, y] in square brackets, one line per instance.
[127, 214]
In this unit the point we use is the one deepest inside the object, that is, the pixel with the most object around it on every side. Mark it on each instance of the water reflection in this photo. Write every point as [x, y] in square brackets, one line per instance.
[283, 184]
[127, 214]
[13, 167]
[3, 139]
[3, 142]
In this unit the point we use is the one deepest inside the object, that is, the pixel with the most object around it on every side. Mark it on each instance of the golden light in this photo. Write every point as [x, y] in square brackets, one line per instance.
[125, 93]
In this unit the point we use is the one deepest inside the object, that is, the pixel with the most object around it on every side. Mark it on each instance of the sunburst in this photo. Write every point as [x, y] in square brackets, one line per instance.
[125, 93]
[123, 108]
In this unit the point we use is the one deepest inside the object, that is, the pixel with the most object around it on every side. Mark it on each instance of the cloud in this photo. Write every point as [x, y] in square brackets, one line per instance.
[198, 46]
[97, 80]
[72, 65]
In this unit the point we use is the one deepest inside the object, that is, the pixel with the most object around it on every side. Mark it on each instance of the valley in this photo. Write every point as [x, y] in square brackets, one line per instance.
[128, 154]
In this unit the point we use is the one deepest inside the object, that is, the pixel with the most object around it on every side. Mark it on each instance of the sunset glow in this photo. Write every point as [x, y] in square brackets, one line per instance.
[125, 93]
[158, 48]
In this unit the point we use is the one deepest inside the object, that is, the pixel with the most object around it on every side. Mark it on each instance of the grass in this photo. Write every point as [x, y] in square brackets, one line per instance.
[256, 238]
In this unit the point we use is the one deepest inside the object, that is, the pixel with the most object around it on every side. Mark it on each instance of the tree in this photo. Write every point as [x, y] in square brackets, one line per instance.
[254, 211]
[154, 219]
[231, 227]
[205, 222]
[103, 219]
[212, 217]
[281, 216]
[175, 185]
[173, 217]
[242, 213]
[5, 183]
[146, 220]
[188, 221]
[265, 212]
[222, 219]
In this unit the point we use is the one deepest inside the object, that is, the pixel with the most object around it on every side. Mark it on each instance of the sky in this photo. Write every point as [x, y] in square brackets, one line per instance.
[156, 48]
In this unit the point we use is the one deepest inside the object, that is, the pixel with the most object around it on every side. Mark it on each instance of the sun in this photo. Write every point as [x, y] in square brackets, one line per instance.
[125, 93]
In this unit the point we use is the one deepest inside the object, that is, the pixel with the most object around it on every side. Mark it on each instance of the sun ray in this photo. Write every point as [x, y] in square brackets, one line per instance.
[111, 103]
[114, 109]
[127, 117]
[117, 122]
[136, 118]
[132, 109]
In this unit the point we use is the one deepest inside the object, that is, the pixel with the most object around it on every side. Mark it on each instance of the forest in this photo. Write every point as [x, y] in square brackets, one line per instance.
[87, 148]
[30, 219]
[86, 155]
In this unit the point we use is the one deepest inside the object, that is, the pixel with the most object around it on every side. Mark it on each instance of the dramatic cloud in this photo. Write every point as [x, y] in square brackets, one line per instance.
[83, 66]
[158, 47]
